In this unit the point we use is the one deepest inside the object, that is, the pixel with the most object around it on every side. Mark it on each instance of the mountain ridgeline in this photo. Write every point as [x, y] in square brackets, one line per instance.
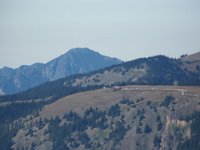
[77, 60]
[157, 70]
[138, 116]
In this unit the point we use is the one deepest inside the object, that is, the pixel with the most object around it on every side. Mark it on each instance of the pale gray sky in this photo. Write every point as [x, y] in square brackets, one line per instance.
[40, 30]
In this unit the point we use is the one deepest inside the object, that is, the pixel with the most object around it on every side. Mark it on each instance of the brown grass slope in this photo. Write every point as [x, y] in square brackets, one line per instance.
[192, 62]
[186, 101]
[192, 57]
[105, 97]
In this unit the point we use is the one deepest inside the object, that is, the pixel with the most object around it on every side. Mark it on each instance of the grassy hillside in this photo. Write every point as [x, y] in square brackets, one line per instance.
[191, 62]
[128, 118]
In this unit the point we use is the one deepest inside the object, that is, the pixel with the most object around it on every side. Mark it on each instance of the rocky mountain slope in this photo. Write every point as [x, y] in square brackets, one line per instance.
[133, 117]
[78, 60]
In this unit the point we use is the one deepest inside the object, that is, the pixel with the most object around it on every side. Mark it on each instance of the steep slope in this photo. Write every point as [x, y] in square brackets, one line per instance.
[157, 70]
[134, 117]
[78, 60]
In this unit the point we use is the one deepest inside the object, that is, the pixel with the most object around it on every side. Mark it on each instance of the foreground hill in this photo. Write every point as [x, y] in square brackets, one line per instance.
[78, 60]
[157, 70]
[132, 117]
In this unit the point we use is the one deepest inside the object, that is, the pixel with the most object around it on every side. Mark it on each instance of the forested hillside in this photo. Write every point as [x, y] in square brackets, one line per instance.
[148, 117]
[157, 70]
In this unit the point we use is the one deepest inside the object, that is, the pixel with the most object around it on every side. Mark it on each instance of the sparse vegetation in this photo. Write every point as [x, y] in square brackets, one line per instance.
[118, 133]
[102, 127]
[148, 103]
[157, 141]
[194, 142]
[114, 111]
[126, 101]
[92, 118]
[147, 129]
[167, 101]
[8, 124]
[138, 130]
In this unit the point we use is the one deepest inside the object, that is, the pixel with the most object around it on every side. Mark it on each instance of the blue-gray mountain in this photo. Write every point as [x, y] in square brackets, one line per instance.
[156, 70]
[77, 60]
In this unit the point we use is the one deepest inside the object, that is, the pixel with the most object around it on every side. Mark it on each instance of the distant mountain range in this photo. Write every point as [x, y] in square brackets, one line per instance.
[75, 61]
[156, 70]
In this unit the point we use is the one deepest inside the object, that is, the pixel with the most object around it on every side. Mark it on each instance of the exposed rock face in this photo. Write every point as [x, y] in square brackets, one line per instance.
[77, 60]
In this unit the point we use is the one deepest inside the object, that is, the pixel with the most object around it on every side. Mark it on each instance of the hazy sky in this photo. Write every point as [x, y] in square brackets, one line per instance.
[40, 30]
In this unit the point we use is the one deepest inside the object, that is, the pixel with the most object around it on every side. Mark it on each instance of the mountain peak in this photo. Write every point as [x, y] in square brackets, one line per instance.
[75, 61]
[89, 53]
[81, 51]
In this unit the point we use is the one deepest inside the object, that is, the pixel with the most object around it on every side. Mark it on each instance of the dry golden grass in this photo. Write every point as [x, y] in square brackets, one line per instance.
[103, 98]
[193, 57]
